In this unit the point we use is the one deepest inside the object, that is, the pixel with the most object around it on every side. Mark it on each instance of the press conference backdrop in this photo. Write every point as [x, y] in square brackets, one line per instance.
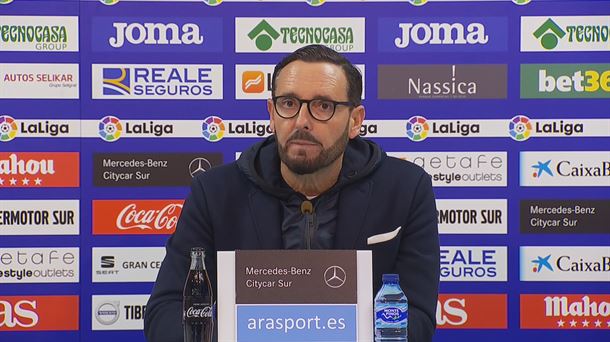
[108, 108]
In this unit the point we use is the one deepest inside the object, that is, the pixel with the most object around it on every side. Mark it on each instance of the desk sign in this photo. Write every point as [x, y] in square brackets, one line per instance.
[296, 295]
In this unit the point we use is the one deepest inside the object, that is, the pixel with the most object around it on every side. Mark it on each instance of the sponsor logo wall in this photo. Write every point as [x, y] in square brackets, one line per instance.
[108, 109]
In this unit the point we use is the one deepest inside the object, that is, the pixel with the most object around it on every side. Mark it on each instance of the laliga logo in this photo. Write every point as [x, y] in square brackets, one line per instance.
[213, 129]
[418, 2]
[417, 128]
[110, 128]
[109, 2]
[520, 128]
[212, 2]
[316, 3]
[5, 2]
[8, 128]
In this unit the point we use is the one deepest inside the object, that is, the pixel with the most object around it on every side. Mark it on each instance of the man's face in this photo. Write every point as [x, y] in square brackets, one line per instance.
[306, 145]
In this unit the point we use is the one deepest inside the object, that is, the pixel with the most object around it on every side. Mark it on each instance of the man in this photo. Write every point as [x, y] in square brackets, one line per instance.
[314, 184]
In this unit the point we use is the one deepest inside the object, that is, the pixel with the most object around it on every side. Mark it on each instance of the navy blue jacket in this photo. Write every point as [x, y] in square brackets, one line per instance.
[234, 207]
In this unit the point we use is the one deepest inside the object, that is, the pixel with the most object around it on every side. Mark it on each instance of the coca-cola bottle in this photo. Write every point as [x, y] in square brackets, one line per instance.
[198, 299]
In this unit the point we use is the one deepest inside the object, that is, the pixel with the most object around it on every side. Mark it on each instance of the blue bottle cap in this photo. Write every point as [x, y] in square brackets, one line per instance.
[390, 278]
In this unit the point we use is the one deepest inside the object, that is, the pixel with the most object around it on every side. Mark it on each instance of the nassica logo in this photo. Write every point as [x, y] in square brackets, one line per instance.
[39, 33]
[566, 263]
[133, 34]
[39, 81]
[472, 311]
[38, 313]
[438, 81]
[473, 263]
[118, 312]
[126, 264]
[565, 311]
[442, 34]
[39, 169]
[159, 81]
[567, 168]
[565, 33]
[135, 216]
[289, 34]
[539, 81]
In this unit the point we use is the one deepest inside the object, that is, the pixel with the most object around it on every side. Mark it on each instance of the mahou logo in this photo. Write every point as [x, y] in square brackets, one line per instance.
[135, 216]
[27, 313]
[471, 311]
[558, 311]
[39, 169]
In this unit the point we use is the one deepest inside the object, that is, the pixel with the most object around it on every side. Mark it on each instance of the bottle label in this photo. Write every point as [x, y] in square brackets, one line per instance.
[391, 315]
[198, 312]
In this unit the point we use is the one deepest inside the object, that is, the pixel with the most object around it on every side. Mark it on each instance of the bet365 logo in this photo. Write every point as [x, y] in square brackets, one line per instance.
[565, 80]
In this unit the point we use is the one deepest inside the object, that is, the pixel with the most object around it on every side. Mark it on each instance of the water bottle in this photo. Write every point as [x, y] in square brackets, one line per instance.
[391, 311]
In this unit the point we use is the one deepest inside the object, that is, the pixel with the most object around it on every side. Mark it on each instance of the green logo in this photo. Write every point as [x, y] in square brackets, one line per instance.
[5, 2]
[522, 2]
[418, 2]
[316, 2]
[109, 2]
[548, 34]
[213, 2]
[265, 34]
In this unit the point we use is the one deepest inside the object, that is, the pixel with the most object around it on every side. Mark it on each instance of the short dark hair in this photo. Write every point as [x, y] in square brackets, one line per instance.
[320, 53]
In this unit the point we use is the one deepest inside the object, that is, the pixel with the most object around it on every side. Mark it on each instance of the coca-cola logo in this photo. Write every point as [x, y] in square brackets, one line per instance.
[131, 217]
[193, 312]
[22, 314]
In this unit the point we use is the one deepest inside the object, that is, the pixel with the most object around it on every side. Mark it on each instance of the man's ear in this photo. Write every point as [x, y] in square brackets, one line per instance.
[356, 119]
[270, 109]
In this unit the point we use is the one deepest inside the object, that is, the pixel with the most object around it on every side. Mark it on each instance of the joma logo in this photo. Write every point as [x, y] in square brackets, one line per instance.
[155, 34]
[441, 33]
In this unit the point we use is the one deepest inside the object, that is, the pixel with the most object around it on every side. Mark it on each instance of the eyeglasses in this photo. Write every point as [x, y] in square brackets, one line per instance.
[288, 107]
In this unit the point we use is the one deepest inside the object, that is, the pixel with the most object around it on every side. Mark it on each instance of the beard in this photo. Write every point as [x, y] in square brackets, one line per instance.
[301, 165]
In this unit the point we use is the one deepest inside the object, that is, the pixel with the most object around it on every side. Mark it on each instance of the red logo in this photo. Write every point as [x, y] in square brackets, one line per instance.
[136, 216]
[39, 169]
[29, 313]
[557, 311]
[471, 311]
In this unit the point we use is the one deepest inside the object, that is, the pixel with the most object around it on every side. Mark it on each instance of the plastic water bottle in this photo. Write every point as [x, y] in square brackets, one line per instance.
[391, 311]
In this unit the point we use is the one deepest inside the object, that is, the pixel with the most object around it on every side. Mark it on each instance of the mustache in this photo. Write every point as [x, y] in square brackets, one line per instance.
[303, 135]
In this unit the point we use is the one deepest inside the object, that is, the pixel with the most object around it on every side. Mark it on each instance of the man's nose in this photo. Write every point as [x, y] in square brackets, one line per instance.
[303, 117]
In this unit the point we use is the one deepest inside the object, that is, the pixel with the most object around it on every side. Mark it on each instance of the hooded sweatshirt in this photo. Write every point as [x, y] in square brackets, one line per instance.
[308, 223]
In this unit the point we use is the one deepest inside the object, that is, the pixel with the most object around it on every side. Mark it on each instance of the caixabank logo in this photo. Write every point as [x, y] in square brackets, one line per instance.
[38, 81]
[474, 263]
[444, 34]
[288, 34]
[565, 263]
[39, 33]
[39, 169]
[568, 81]
[565, 311]
[565, 168]
[565, 33]
[118, 312]
[142, 217]
[157, 81]
[150, 34]
[442, 81]
[39, 217]
[472, 311]
[10, 128]
[39, 313]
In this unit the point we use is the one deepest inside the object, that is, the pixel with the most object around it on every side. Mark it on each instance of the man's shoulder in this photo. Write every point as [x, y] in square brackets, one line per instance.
[227, 173]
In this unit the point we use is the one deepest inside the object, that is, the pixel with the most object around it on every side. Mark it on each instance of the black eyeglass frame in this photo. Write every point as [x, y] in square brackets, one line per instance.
[301, 101]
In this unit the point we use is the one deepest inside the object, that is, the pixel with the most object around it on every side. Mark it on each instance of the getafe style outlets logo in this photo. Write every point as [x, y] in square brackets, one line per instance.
[38, 313]
[118, 312]
[39, 217]
[141, 34]
[39, 33]
[159, 81]
[565, 81]
[567, 168]
[442, 34]
[565, 33]
[565, 311]
[135, 216]
[38, 81]
[470, 263]
[39, 169]
[437, 81]
[289, 34]
[39, 265]
[472, 311]
[564, 263]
